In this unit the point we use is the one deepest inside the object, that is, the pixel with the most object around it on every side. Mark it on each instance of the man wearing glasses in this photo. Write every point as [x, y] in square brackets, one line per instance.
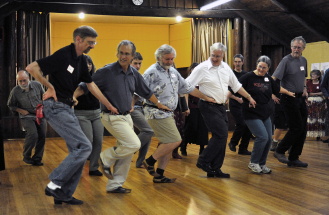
[292, 71]
[66, 68]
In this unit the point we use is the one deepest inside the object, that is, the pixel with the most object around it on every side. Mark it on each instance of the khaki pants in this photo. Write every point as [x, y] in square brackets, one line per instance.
[121, 127]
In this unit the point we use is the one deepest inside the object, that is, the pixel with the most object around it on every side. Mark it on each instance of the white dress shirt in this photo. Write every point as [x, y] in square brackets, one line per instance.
[213, 81]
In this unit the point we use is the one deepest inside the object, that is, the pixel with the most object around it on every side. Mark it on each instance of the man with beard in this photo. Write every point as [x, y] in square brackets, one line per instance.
[24, 99]
[241, 130]
[167, 84]
[292, 72]
[214, 77]
[66, 68]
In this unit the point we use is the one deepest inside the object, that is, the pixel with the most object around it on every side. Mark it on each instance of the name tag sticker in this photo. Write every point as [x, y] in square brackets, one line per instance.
[302, 68]
[317, 87]
[173, 75]
[70, 69]
[266, 79]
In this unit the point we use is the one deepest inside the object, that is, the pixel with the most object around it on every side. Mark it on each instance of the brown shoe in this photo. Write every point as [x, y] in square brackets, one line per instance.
[150, 169]
[175, 155]
[106, 170]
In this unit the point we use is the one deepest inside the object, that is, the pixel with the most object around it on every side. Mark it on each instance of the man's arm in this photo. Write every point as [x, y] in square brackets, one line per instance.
[305, 89]
[244, 93]
[35, 71]
[200, 95]
[92, 87]
[158, 104]
[12, 104]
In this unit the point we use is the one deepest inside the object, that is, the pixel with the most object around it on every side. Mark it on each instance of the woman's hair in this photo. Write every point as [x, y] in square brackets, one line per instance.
[193, 65]
[264, 59]
[317, 72]
[89, 60]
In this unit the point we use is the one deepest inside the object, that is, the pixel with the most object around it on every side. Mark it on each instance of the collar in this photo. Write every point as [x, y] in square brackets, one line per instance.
[209, 64]
[22, 90]
[160, 68]
[120, 69]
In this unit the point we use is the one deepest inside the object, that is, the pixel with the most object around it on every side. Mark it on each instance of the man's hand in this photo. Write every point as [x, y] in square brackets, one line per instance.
[75, 101]
[240, 100]
[24, 112]
[131, 110]
[252, 102]
[275, 99]
[50, 93]
[187, 112]
[305, 94]
[113, 110]
[164, 107]
[291, 94]
[208, 99]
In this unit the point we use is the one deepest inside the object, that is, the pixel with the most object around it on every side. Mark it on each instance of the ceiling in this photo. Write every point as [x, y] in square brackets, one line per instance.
[90, 18]
[281, 19]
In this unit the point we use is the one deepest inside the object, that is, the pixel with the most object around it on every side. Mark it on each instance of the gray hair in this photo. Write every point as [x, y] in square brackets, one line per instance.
[84, 31]
[127, 43]
[164, 49]
[300, 39]
[264, 59]
[238, 56]
[218, 46]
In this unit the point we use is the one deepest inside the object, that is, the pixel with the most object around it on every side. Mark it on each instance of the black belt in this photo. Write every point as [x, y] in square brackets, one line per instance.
[298, 95]
[154, 106]
[68, 101]
[124, 113]
[211, 103]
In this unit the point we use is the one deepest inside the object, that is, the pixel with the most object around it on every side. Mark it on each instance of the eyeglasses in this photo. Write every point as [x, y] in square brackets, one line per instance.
[215, 56]
[91, 43]
[125, 54]
[297, 47]
[263, 68]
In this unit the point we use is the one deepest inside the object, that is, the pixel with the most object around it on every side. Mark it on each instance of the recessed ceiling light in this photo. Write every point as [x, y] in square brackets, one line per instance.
[179, 18]
[214, 4]
[81, 15]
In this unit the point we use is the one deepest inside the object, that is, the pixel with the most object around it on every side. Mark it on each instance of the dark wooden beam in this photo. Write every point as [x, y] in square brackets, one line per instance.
[246, 46]
[259, 22]
[308, 19]
[21, 50]
[237, 36]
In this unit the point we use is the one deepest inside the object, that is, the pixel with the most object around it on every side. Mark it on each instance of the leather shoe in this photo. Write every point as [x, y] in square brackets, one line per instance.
[218, 174]
[204, 167]
[57, 194]
[106, 170]
[232, 148]
[175, 155]
[244, 152]
[95, 173]
[120, 190]
[72, 201]
[325, 141]
[37, 163]
[28, 161]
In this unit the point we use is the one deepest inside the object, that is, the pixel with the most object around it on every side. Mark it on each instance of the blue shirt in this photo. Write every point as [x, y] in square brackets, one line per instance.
[166, 87]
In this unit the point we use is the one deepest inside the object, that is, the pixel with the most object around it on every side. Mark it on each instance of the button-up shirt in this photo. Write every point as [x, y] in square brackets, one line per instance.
[166, 87]
[213, 81]
[26, 100]
[119, 86]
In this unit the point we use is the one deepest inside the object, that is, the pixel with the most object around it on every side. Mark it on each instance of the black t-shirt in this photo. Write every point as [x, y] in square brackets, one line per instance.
[261, 89]
[66, 70]
[234, 102]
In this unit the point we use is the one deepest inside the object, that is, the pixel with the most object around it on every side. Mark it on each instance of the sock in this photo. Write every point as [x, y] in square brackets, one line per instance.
[53, 186]
[151, 161]
[160, 172]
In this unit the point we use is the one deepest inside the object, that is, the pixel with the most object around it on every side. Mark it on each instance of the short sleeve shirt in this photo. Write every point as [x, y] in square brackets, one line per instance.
[66, 70]
[292, 73]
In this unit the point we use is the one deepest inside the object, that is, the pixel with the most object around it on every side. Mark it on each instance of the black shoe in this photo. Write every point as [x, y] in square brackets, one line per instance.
[183, 152]
[37, 163]
[297, 163]
[232, 148]
[28, 160]
[105, 169]
[95, 173]
[72, 201]
[244, 152]
[326, 141]
[206, 168]
[120, 190]
[58, 194]
[218, 174]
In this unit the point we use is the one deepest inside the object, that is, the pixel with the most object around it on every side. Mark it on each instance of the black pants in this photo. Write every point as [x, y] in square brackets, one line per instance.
[296, 115]
[241, 130]
[216, 121]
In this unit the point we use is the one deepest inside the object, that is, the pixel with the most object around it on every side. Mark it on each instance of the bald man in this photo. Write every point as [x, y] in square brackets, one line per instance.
[23, 99]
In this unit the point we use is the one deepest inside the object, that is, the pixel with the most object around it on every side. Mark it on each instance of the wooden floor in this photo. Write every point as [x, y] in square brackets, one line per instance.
[285, 191]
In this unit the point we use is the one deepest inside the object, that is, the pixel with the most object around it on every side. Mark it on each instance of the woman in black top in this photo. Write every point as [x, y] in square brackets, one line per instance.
[260, 86]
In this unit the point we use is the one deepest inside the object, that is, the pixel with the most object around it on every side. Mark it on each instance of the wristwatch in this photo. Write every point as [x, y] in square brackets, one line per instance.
[158, 102]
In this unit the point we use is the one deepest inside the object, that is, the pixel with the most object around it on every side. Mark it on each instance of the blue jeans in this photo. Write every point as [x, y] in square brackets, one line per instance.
[92, 126]
[62, 119]
[145, 135]
[262, 130]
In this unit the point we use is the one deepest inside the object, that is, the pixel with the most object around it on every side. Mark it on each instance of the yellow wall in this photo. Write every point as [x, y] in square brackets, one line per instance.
[147, 39]
[316, 53]
[181, 40]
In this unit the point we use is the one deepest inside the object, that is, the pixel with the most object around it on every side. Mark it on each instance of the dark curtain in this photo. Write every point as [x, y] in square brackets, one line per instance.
[37, 36]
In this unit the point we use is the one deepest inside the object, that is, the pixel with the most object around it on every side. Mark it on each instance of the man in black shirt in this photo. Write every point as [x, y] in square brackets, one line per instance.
[241, 129]
[66, 68]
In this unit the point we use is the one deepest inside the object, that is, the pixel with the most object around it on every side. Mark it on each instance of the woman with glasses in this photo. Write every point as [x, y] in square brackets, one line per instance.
[260, 86]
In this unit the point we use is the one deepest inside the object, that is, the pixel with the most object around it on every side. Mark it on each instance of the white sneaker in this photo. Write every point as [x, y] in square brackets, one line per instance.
[255, 167]
[265, 169]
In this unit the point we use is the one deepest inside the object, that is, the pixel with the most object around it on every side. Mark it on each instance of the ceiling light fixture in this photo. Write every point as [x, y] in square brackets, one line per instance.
[179, 18]
[214, 4]
[81, 15]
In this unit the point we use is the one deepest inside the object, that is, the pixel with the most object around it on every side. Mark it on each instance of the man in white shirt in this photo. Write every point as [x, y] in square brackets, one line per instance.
[213, 77]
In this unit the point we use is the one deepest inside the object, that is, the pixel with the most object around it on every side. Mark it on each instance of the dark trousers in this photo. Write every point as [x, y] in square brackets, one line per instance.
[241, 130]
[295, 111]
[216, 121]
[35, 138]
